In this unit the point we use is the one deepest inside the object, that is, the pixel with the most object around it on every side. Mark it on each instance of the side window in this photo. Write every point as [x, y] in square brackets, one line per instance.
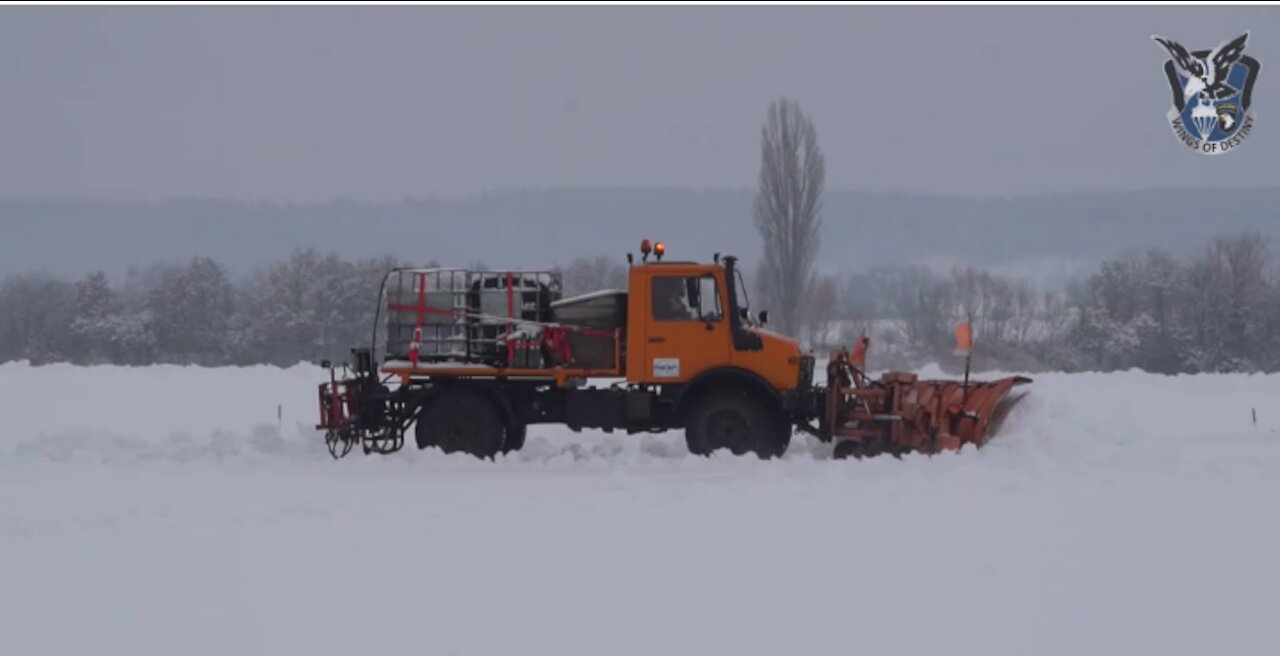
[709, 298]
[685, 298]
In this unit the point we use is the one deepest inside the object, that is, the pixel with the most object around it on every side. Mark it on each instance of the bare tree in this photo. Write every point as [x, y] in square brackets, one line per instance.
[787, 205]
[818, 314]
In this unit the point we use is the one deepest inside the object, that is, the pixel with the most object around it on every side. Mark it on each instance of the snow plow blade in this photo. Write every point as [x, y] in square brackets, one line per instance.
[900, 414]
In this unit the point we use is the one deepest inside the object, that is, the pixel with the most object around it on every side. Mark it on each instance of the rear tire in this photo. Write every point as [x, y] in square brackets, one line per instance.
[462, 421]
[737, 421]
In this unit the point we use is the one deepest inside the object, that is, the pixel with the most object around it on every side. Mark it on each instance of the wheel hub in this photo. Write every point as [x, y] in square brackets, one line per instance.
[729, 428]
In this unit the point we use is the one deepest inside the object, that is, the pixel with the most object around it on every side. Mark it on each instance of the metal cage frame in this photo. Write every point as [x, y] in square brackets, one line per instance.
[458, 314]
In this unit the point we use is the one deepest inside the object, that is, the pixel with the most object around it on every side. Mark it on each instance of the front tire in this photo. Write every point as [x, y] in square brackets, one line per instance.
[515, 437]
[736, 421]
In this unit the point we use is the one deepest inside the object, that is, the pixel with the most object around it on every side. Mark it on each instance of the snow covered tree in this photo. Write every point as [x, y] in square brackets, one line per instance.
[360, 303]
[1160, 315]
[1163, 344]
[1247, 259]
[95, 303]
[311, 307]
[35, 314]
[191, 306]
[291, 303]
[94, 296]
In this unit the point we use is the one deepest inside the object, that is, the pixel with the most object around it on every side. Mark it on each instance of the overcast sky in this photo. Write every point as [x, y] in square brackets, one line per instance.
[308, 104]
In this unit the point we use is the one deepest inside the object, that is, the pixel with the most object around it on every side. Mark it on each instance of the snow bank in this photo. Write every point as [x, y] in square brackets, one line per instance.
[68, 413]
[168, 510]
[64, 412]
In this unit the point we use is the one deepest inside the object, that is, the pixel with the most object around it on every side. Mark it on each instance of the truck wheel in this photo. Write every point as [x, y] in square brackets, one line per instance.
[847, 449]
[461, 421]
[515, 437]
[737, 422]
[775, 443]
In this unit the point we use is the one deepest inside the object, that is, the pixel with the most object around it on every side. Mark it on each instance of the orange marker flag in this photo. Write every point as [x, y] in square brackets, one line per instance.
[859, 355]
[964, 340]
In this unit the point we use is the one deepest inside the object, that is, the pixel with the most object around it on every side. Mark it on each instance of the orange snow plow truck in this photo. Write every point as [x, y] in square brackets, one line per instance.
[470, 359]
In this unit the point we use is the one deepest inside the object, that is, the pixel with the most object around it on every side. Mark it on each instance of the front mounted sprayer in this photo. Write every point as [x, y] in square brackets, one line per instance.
[359, 408]
[900, 414]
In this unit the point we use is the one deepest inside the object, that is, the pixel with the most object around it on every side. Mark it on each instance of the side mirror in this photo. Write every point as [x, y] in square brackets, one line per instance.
[744, 314]
[325, 364]
[764, 317]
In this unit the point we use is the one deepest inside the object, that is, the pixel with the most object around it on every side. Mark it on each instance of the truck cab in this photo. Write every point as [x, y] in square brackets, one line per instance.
[690, 320]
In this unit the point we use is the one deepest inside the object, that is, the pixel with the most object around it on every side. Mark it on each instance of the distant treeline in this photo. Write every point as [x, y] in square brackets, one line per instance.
[1217, 311]
[1214, 312]
[307, 308]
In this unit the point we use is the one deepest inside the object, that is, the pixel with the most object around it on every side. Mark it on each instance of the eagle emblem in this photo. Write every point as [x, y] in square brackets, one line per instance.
[1212, 93]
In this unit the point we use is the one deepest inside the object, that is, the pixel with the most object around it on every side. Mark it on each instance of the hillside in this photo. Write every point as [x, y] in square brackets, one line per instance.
[1046, 237]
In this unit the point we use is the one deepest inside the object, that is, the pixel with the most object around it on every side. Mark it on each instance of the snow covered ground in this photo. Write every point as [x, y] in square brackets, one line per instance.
[167, 510]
